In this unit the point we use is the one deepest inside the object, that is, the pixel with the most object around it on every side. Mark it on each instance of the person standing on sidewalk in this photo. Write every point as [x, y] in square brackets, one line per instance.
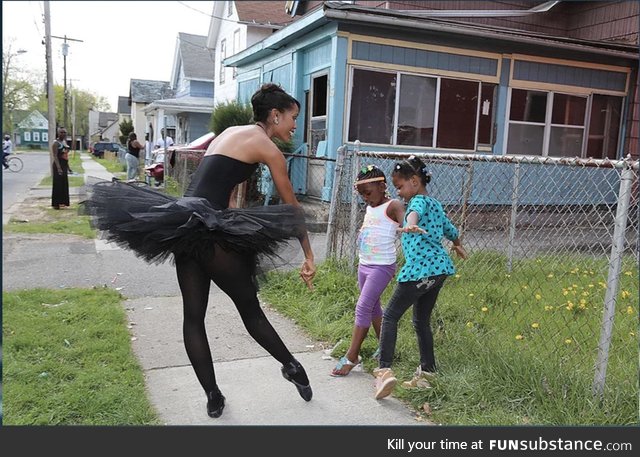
[210, 241]
[132, 157]
[427, 265]
[59, 171]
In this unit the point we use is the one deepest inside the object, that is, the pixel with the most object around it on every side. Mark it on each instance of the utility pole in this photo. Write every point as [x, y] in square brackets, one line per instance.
[65, 52]
[50, 95]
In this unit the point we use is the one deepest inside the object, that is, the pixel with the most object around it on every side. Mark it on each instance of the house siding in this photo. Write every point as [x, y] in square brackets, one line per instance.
[201, 89]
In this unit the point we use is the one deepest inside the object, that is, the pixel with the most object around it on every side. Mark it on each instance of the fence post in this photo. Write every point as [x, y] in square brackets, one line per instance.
[353, 215]
[617, 249]
[514, 215]
[466, 196]
[335, 197]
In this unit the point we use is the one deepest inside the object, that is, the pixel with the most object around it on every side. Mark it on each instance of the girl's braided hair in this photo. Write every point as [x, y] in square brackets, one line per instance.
[413, 166]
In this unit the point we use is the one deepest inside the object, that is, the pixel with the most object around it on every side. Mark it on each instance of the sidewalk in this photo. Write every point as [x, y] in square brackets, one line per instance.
[248, 376]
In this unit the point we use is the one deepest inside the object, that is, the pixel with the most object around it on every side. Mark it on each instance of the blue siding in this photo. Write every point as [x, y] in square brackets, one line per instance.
[424, 59]
[201, 89]
[317, 58]
[569, 76]
[280, 75]
[246, 89]
[198, 125]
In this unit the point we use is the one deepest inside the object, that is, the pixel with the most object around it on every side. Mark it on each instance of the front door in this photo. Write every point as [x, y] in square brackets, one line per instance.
[315, 132]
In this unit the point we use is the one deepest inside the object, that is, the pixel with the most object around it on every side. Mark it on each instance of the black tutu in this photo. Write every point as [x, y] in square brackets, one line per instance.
[158, 226]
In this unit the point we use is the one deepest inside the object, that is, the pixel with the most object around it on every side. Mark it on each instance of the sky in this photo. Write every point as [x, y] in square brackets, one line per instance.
[121, 40]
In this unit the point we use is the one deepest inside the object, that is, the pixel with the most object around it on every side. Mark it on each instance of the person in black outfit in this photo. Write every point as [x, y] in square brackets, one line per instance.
[59, 171]
[132, 156]
[209, 241]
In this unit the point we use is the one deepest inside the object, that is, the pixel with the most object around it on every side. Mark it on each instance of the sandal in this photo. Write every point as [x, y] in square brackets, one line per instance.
[344, 362]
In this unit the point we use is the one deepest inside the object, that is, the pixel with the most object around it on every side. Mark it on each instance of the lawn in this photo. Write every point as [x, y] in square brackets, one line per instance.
[512, 348]
[67, 360]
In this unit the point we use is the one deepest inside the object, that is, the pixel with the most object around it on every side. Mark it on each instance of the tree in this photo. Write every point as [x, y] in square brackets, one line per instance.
[19, 87]
[85, 101]
[126, 127]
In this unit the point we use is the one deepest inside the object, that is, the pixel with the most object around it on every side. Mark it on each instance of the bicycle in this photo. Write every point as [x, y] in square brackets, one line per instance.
[15, 163]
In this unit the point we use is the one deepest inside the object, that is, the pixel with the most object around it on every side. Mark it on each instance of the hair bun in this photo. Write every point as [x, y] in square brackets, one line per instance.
[268, 88]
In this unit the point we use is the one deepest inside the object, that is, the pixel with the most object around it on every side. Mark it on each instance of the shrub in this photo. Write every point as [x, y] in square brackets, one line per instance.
[228, 114]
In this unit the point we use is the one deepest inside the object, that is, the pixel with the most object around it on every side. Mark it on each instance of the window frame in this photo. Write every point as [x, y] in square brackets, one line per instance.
[548, 125]
[436, 122]
[223, 55]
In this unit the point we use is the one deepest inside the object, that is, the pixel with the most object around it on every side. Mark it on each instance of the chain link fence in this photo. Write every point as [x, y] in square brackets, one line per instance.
[552, 273]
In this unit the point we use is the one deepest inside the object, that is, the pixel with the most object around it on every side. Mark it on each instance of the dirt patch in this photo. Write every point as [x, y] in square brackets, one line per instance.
[39, 210]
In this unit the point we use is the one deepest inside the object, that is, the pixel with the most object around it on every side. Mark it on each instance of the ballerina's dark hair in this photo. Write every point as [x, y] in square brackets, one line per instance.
[413, 166]
[268, 97]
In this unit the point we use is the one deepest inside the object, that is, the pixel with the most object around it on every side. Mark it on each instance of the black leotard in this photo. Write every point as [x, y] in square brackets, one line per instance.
[216, 177]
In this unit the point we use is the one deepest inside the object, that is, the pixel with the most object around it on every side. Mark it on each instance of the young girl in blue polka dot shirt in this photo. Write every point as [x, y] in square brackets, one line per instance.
[427, 265]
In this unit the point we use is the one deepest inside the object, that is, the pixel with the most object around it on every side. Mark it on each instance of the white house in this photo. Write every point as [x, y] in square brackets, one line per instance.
[234, 27]
[191, 88]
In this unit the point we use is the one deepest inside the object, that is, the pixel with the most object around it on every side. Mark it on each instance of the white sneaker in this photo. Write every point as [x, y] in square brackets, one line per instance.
[420, 379]
[385, 382]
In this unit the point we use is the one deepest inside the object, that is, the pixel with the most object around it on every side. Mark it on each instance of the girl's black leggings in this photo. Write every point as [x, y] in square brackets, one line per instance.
[233, 274]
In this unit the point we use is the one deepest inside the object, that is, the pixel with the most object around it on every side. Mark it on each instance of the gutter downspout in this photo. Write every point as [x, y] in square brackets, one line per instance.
[411, 23]
[542, 8]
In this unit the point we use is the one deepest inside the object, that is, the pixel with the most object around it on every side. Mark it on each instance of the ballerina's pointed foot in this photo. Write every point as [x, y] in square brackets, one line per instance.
[215, 403]
[294, 373]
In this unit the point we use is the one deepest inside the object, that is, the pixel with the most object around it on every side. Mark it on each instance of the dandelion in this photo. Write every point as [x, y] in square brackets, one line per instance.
[628, 273]
[525, 287]
[583, 301]
[538, 296]
[632, 334]
[625, 294]
[515, 302]
[519, 337]
[568, 341]
[629, 309]
[456, 276]
[569, 306]
[485, 309]
[535, 325]
[550, 275]
[565, 292]
[469, 324]
[548, 307]
[602, 284]
[582, 306]
[591, 286]
[585, 294]
[470, 295]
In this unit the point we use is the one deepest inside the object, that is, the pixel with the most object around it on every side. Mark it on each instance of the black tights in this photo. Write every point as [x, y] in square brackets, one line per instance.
[232, 273]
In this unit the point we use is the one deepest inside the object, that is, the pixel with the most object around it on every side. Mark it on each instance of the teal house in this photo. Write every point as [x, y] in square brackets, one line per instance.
[32, 131]
[558, 79]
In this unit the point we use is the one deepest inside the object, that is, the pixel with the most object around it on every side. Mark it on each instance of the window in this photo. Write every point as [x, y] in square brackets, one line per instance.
[236, 41]
[373, 100]
[555, 124]
[457, 114]
[36, 136]
[415, 110]
[223, 55]
[604, 127]
[27, 136]
[526, 122]
[45, 137]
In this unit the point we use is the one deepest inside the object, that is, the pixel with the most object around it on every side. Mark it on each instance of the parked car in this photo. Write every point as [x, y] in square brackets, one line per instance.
[156, 169]
[100, 147]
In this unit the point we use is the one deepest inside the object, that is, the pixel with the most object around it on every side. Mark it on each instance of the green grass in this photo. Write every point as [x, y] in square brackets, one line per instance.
[67, 222]
[512, 349]
[112, 166]
[75, 163]
[67, 360]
